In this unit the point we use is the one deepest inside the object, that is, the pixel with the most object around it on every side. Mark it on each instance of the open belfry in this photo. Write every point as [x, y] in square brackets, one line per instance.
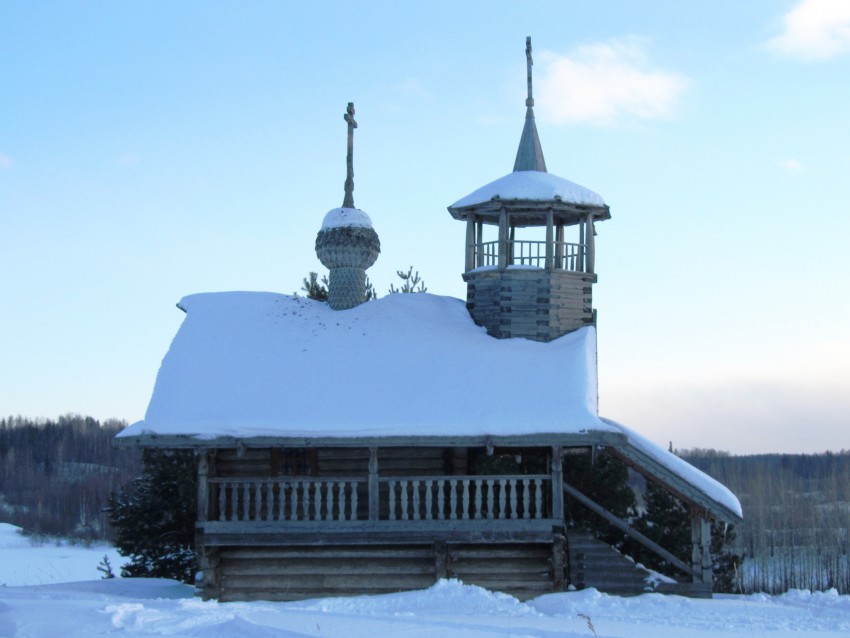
[539, 287]
[317, 477]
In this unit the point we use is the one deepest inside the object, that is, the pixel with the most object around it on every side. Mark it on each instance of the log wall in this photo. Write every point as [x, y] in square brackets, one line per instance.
[534, 304]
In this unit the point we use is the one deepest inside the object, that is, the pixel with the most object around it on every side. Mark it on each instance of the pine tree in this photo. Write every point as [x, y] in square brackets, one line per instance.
[412, 282]
[155, 521]
[605, 480]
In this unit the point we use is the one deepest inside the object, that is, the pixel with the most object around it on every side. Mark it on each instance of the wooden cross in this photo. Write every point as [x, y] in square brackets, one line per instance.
[348, 200]
[528, 62]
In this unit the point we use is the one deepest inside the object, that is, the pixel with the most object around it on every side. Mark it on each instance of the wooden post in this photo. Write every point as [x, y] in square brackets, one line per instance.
[591, 245]
[705, 538]
[479, 237]
[373, 484]
[559, 558]
[701, 546]
[557, 483]
[503, 239]
[559, 247]
[470, 243]
[550, 240]
[580, 264]
[203, 486]
[441, 560]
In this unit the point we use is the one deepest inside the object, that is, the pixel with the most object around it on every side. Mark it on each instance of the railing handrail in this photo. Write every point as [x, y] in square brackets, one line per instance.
[469, 477]
[287, 479]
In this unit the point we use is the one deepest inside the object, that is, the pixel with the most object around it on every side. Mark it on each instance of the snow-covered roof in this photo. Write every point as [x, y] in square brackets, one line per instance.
[252, 364]
[346, 217]
[249, 364]
[531, 186]
[677, 466]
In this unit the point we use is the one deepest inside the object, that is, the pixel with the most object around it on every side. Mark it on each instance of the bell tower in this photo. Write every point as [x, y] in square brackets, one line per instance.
[530, 248]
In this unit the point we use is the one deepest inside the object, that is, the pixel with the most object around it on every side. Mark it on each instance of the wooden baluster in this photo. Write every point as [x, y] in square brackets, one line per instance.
[329, 501]
[222, 501]
[404, 513]
[513, 491]
[341, 510]
[491, 497]
[246, 499]
[453, 485]
[441, 500]
[526, 499]
[258, 500]
[538, 498]
[502, 489]
[392, 500]
[305, 500]
[317, 503]
[416, 514]
[465, 500]
[477, 483]
[429, 499]
[354, 486]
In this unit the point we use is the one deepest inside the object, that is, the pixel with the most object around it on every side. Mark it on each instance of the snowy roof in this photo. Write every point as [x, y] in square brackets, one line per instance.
[532, 186]
[251, 364]
[346, 217]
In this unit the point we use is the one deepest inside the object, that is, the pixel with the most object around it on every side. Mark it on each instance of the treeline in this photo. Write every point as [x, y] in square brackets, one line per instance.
[56, 476]
[796, 530]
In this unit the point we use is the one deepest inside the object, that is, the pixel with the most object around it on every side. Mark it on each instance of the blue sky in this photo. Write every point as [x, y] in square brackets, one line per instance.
[149, 150]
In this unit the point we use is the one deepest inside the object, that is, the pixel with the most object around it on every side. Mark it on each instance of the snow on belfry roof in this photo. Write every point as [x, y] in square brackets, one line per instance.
[346, 217]
[248, 364]
[532, 186]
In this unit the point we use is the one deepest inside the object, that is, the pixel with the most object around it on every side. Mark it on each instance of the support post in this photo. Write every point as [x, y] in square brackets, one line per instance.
[470, 243]
[479, 238]
[373, 484]
[550, 240]
[557, 483]
[559, 248]
[503, 239]
[701, 546]
[591, 245]
[203, 486]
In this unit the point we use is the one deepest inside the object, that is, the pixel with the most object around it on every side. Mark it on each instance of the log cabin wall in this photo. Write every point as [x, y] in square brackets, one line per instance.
[524, 570]
[534, 304]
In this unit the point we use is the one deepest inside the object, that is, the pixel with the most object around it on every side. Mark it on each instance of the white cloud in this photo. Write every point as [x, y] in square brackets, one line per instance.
[793, 165]
[815, 30]
[5, 162]
[604, 83]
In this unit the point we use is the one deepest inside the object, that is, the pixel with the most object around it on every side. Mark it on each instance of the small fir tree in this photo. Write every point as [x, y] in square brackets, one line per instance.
[314, 288]
[154, 522]
[412, 282]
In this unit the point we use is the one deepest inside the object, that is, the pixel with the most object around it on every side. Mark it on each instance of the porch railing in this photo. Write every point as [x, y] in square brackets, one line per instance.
[566, 255]
[456, 498]
[467, 498]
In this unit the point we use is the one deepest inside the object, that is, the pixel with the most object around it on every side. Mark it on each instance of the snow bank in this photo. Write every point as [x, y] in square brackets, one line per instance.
[262, 364]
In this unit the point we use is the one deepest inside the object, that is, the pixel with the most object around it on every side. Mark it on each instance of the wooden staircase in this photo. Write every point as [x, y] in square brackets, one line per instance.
[593, 563]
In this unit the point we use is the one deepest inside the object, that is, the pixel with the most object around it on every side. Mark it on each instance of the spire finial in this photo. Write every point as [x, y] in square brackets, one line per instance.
[348, 200]
[529, 62]
[529, 155]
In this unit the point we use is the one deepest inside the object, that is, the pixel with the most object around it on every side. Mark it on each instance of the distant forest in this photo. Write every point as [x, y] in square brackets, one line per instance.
[56, 477]
[796, 531]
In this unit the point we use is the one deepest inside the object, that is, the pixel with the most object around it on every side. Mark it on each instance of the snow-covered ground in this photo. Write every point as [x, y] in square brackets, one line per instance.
[35, 604]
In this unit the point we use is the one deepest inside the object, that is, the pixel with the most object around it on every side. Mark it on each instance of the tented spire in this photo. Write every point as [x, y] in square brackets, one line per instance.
[529, 155]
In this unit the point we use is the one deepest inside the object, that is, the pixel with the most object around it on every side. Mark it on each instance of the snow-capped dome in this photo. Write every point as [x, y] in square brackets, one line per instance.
[346, 217]
[532, 186]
